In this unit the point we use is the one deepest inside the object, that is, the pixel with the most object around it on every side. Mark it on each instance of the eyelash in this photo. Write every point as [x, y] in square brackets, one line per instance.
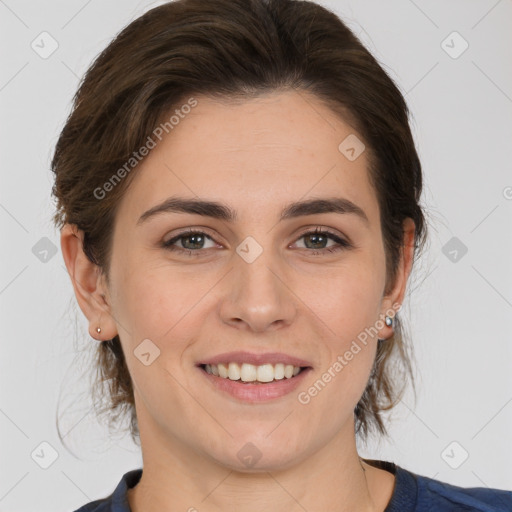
[342, 244]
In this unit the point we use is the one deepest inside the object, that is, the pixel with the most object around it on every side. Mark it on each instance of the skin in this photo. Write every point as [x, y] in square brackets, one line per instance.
[256, 157]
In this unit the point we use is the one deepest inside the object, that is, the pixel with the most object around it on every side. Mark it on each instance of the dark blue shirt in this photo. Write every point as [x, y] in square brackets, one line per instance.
[412, 493]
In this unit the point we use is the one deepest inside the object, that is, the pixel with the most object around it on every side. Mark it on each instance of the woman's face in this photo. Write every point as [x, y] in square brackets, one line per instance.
[253, 283]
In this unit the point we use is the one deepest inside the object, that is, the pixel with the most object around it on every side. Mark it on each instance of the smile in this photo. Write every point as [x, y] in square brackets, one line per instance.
[253, 390]
[247, 372]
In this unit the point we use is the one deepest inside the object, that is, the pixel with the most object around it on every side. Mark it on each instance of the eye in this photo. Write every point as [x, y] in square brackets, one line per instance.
[192, 241]
[317, 238]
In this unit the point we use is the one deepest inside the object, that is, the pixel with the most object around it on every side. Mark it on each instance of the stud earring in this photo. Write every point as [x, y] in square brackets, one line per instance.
[389, 322]
[98, 330]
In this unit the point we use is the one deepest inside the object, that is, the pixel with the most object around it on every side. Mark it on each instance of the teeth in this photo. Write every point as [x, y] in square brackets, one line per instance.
[223, 370]
[251, 373]
[279, 371]
[233, 371]
[265, 373]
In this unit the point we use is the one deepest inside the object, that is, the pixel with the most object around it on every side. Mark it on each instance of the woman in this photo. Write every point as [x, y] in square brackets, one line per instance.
[238, 196]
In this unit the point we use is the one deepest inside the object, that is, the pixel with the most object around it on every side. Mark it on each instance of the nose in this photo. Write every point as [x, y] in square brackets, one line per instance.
[256, 296]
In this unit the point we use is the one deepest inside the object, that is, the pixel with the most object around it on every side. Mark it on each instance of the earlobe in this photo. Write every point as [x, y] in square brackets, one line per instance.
[88, 283]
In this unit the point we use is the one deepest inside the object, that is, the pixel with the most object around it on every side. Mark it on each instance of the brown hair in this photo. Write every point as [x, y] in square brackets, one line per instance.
[234, 49]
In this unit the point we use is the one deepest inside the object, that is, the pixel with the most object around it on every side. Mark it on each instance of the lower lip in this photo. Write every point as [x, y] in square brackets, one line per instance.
[254, 393]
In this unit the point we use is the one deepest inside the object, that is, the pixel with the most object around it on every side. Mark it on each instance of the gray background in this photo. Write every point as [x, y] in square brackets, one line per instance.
[459, 307]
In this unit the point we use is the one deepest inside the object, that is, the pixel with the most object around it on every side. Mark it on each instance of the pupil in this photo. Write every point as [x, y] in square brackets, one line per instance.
[195, 245]
[316, 237]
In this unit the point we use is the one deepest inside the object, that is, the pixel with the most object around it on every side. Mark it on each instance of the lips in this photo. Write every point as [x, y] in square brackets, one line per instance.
[241, 357]
[255, 392]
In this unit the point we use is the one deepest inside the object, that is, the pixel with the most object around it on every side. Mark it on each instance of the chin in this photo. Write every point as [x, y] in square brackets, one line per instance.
[263, 465]
[254, 454]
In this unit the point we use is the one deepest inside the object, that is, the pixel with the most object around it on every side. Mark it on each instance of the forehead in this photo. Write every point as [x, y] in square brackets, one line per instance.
[256, 155]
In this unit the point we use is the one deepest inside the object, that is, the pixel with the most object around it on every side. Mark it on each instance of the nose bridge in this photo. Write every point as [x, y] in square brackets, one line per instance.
[257, 295]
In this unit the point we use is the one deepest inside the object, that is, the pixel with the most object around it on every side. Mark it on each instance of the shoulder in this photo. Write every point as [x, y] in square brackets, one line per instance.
[417, 493]
[444, 497]
[455, 498]
[103, 505]
[117, 501]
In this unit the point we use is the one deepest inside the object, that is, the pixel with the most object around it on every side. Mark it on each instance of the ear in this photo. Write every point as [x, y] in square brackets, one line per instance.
[393, 301]
[89, 284]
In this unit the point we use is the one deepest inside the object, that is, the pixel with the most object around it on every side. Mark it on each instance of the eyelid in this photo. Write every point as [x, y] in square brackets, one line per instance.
[322, 229]
[191, 231]
[342, 241]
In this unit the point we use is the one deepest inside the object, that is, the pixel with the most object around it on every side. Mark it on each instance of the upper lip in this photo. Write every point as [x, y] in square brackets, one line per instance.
[255, 359]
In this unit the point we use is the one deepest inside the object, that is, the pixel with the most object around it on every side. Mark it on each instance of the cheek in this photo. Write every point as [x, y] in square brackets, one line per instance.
[346, 298]
[162, 306]
[328, 400]
[346, 306]
[152, 300]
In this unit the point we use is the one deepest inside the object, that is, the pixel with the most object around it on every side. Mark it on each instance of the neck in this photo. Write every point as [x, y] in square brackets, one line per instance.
[333, 477]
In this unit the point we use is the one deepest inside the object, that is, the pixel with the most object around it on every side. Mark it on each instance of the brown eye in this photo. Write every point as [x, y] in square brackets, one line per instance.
[191, 241]
[318, 239]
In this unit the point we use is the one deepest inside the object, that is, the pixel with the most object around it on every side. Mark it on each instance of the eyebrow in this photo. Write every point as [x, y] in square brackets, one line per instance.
[223, 212]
